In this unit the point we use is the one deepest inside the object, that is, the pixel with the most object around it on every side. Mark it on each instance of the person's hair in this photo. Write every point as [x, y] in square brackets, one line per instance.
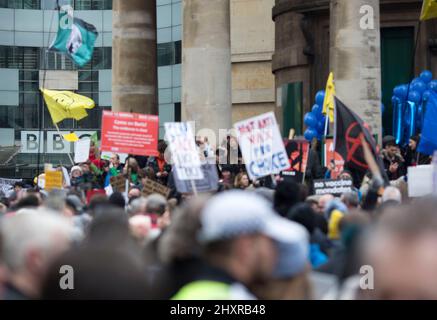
[391, 193]
[137, 206]
[117, 199]
[162, 145]
[29, 201]
[179, 241]
[117, 156]
[99, 274]
[303, 214]
[351, 199]
[239, 178]
[156, 204]
[34, 229]
[287, 194]
[97, 204]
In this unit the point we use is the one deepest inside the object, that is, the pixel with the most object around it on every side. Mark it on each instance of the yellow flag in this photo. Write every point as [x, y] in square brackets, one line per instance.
[328, 103]
[71, 137]
[66, 105]
[429, 10]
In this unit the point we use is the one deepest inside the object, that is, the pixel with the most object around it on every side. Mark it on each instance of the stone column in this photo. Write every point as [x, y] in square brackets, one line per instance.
[206, 65]
[355, 57]
[134, 68]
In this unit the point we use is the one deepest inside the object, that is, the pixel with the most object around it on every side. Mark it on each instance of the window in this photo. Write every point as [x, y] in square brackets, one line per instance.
[93, 4]
[20, 4]
[169, 53]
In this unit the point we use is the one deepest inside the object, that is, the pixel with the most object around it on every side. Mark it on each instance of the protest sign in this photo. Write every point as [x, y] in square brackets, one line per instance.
[118, 183]
[82, 150]
[53, 180]
[132, 133]
[151, 186]
[184, 154]
[331, 156]
[420, 181]
[261, 146]
[107, 156]
[208, 184]
[332, 186]
[297, 152]
[6, 185]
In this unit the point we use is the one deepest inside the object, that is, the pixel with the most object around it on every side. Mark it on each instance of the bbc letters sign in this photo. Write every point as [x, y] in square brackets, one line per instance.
[49, 142]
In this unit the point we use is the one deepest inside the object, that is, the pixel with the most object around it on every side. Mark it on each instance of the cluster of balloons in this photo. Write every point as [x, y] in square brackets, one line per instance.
[315, 120]
[409, 103]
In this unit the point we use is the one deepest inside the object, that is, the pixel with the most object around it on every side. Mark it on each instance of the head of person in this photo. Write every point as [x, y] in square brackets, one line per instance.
[18, 186]
[134, 192]
[76, 172]
[133, 164]
[303, 214]
[413, 142]
[137, 206]
[287, 194]
[350, 199]
[390, 146]
[162, 147]
[117, 200]
[114, 160]
[140, 227]
[30, 242]
[85, 168]
[100, 273]
[324, 201]
[401, 251]
[28, 201]
[242, 181]
[345, 175]
[392, 194]
[242, 235]
[157, 206]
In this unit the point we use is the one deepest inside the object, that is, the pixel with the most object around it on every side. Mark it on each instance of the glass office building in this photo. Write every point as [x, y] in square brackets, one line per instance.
[27, 27]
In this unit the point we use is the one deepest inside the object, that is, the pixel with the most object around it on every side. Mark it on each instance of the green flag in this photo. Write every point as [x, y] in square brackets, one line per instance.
[75, 38]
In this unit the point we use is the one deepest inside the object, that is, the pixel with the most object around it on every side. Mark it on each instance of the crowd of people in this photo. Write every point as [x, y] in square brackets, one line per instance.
[266, 239]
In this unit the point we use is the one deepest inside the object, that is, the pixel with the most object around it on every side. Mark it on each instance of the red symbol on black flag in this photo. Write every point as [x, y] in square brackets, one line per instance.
[354, 149]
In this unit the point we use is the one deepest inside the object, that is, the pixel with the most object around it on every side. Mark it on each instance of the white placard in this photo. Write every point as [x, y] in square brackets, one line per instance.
[81, 150]
[183, 150]
[261, 146]
[420, 181]
[105, 155]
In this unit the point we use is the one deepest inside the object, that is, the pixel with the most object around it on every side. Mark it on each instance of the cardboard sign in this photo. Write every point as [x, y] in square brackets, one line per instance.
[261, 146]
[420, 181]
[184, 154]
[53, 180]
[297, 152]
[118, 183]
[91, 193]
[151, 186]
[330, 155]
[332, 186]
[208, 184]
[132, 133]
[82, 150]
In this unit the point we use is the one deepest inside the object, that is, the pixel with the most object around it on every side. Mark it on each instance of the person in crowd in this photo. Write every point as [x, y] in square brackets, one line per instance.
[30, 242]
[134, 192]
[303, 214]
[116, 164]
[137, 207]
[412, 156]
[394, 163]
[159, 164]
[133, 172]
[287, 194]
[244, 243]
[351, 200]
[392, 194]
[242, 181]
[401, 251]
[117, 199]
[76, 176]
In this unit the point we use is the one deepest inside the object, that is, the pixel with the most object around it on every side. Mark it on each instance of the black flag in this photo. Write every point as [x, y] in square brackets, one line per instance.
[348, 132]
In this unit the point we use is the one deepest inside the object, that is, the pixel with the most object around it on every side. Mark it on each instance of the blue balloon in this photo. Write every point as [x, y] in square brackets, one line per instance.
[310, 120]
[414, 96]
[426, 95]
[317, 110]
[415, 80]
[398, 124]
[310, 134]
[320, 97]
[418, 86]
[321, 127]
[401, 91]
[426, 76]
[433, 85]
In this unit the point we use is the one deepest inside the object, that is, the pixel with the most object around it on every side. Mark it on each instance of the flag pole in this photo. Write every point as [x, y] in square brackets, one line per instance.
[62, 137]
